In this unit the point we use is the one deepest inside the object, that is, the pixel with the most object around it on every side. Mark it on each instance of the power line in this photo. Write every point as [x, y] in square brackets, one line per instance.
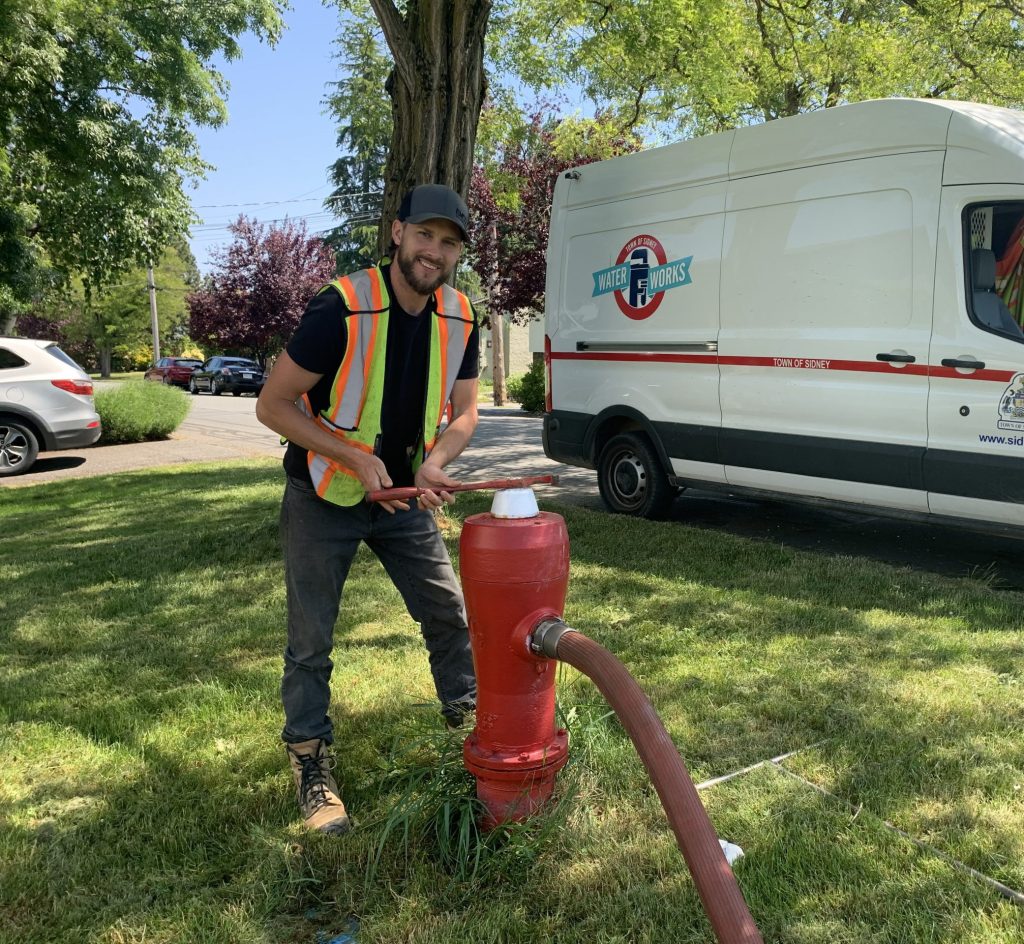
[302, 197]
[205, 229]
[338, 196]
[219, 206]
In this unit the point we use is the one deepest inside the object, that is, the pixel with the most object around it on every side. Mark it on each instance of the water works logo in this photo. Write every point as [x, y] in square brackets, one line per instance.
[641, 276]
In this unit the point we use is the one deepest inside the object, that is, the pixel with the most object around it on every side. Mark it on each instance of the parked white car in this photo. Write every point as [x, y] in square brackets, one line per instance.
[45, 403]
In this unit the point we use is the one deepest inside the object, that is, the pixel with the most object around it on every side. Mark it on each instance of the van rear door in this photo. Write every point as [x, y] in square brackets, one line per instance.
[632, 306]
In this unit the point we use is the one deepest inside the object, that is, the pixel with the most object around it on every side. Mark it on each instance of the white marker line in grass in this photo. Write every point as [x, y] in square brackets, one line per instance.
[1012, 894]
[746, 770]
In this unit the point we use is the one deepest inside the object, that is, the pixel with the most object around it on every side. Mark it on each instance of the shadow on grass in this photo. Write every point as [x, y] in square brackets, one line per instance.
[140, 610]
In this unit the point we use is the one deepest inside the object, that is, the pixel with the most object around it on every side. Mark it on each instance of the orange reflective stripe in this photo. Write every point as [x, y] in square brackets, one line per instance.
[348, 292]
[376, 287]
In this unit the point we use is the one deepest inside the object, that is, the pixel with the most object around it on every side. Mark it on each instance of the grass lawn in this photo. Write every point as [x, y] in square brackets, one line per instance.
[145, 796]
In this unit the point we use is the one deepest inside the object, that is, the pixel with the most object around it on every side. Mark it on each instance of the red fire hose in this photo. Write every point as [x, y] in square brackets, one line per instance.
[723, 901]
[411, 491]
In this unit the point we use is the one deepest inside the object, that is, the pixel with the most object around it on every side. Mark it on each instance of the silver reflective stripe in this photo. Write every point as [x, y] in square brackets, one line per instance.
[317, 470]
[457, 336]
[360, 324]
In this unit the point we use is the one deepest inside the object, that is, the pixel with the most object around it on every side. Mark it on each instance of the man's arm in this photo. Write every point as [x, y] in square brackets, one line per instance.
[450, 443]
[277, 409]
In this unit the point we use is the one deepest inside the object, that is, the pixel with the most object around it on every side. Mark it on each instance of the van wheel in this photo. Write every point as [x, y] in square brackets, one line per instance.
[631, 479]
[18, 447]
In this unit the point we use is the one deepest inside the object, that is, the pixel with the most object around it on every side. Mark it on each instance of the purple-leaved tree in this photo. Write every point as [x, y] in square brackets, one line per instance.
[510, 208]
[261, 282]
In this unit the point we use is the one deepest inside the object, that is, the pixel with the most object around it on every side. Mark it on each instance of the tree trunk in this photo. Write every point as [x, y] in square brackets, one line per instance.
[498, 357]
[105, 352]
[7, 321]
[437, 90]
[497, 334]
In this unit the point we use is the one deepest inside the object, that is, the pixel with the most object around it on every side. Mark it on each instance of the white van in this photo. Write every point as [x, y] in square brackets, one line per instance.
[826, 307]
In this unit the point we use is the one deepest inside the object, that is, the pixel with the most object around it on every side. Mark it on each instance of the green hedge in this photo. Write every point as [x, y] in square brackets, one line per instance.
[136, 411]
[528, 389]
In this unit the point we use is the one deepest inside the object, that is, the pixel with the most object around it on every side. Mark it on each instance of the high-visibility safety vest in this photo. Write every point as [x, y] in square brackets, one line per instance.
[353, 414]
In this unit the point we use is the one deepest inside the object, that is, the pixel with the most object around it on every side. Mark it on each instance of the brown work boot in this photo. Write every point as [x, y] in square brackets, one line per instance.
[318, 794]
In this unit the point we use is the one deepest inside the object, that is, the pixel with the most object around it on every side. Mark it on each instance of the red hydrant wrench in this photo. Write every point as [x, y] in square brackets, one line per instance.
[411, 491]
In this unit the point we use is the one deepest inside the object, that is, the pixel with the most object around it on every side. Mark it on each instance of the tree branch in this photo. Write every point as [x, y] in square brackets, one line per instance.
[397, 36]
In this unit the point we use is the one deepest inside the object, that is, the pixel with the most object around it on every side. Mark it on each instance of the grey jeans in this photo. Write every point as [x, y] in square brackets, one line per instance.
[320, 541]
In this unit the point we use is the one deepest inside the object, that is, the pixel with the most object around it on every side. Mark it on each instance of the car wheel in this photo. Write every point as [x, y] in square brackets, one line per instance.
[236, 393]
[192, 388]
[215, 388]
[631, 479]
[18, 447]
[167, 380]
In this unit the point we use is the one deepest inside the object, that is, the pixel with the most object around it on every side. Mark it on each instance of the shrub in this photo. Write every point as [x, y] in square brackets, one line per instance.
[191, 349]
[136, 411]
[128, 357]
[528, 389]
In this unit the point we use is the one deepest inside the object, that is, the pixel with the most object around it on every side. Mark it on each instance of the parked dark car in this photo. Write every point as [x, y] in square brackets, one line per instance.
[173, 370]
[234, 375]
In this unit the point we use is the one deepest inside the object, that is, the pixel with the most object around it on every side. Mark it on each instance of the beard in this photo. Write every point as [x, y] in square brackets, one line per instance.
[420, 284]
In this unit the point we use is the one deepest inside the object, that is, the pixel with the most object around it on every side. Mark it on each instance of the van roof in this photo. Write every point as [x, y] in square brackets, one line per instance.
[985, 144]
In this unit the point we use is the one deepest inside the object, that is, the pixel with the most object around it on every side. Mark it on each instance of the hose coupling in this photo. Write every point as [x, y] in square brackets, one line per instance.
[546, 636]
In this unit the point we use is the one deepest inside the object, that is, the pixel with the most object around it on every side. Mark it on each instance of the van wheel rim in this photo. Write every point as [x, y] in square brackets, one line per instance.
[13, 448]
[628, 479]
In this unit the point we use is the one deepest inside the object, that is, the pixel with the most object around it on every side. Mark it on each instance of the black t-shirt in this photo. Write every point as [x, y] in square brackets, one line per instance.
[318, 346]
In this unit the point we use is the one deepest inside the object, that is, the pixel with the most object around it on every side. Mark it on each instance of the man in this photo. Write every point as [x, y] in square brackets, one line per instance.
[359, 393]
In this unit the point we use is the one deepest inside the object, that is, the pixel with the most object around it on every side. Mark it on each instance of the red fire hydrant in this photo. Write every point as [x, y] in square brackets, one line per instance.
[515, 571]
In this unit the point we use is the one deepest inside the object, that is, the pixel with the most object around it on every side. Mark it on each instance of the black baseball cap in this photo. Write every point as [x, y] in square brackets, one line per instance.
[434, 202]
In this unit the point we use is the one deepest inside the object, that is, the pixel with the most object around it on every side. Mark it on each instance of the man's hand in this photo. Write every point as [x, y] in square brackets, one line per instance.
[433, 478]
[374, 476]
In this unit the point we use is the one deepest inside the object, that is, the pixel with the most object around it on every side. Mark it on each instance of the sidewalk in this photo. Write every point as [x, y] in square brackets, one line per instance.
[507, 444]
[107, 460]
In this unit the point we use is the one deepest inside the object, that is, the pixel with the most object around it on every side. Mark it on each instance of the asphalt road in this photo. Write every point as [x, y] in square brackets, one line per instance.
[508, 444]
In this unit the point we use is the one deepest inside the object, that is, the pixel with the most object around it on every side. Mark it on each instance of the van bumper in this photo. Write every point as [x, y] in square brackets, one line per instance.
[564, 437]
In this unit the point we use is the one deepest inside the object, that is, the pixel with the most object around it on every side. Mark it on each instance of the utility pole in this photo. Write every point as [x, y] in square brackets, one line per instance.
[497, 333]
[154, 321]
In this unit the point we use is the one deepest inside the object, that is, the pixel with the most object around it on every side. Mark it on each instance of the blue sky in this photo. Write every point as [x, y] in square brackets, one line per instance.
[278, 143]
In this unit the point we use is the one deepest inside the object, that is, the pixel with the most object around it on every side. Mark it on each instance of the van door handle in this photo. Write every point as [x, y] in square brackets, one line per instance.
[896, 358]
[962, 362]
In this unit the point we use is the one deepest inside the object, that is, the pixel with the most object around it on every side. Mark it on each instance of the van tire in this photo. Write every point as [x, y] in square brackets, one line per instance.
[631, 479]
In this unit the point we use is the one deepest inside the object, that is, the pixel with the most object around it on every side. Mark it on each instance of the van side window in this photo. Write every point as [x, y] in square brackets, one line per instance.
[994, 258]
[8, 359]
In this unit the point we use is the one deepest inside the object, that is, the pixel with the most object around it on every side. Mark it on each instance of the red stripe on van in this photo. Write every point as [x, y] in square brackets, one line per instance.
[815, 363]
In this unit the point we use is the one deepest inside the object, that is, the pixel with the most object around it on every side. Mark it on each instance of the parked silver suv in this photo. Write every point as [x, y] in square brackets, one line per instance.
[45, 403]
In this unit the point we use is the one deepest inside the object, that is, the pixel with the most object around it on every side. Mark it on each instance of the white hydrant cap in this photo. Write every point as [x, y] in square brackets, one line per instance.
[515, 503]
